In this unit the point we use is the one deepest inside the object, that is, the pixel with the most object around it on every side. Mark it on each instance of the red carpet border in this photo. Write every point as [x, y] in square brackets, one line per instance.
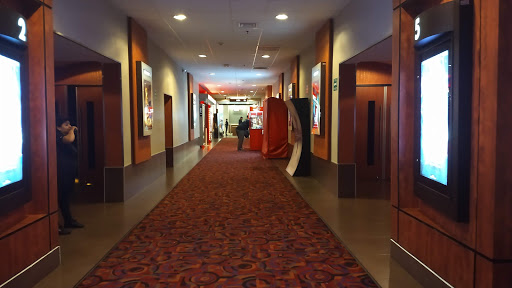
[233, 221]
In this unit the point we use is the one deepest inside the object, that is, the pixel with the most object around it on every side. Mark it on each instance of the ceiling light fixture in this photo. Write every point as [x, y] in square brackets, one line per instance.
[259, 74]
[282, 17]
[251, 91]
[219, 85]
[211, 74]
[254, 85]
[180, 17]
[201, 56]
[265, 56]
[221, 91]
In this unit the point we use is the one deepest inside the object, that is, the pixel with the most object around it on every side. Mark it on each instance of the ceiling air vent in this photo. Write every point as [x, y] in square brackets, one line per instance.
[267, 48]
[247, 25]
[260, 68]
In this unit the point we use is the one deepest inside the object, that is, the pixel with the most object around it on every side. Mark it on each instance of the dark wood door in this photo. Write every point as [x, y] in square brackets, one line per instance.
[169, 131]
[89, 102]
[372, 133]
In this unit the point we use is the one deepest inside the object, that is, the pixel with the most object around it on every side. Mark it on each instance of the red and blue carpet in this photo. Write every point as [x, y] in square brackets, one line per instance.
[233, 221]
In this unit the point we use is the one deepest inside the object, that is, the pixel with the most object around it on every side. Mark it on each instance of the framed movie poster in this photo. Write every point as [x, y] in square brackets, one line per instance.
[317, 95]
[145, 93]
[291, 95]
[193, 113]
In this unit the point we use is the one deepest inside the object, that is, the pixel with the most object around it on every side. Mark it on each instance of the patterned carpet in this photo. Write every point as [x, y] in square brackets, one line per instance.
[233, 221]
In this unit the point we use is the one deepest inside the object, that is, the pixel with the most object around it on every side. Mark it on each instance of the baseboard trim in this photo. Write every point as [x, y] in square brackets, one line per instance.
[34, 273]
[418, 270]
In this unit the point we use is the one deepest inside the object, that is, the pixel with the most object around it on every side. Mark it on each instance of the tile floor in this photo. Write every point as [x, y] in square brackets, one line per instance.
[362, 224]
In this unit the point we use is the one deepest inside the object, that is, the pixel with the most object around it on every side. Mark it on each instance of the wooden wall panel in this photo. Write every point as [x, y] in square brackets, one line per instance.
[396, 3]
[38, 115]
[83, 73]
[113, 113]
[48, 2]
[394, 224]
[490, 274]
[138, 51]
[447, 258]
[190, 89]
[503, 210]
[295, 78]
[54, 230]
[394, 107]
[406, 111]
[324, 46]
[268, 92]
[346, 113]
[21, 249]
[50, 110]
[281, 86]
[368, 73]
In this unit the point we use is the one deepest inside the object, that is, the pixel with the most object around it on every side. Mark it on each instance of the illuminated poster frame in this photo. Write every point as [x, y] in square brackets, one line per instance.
[145, 96]
[317, 97]
[291, 95]
[443, 42]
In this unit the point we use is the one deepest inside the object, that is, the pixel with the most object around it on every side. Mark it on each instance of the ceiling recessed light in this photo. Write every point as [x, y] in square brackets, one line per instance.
[180, 17]
[212, 74]
[202, 56]
[251, 91]
[265, 56]
[282, 17]
[259, 74]
[254, 85]
[219, 85]
[221, 91]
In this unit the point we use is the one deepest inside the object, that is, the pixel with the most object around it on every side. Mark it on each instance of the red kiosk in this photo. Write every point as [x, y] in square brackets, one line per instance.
[275, 128]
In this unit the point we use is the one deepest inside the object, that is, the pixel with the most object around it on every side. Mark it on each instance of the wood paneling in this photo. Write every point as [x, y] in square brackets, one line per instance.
[112, 102]
[83, 73]
[295, 78]
[394, 224]
[406, 113]
[138, 51]
[190, 89]
[268, 92]
[54, 230]
[487, 128]
[324, 46]
[281, 86]
[50, 111]
[490, 274]
[396, 3]
[503, 210]
[38, 115]
[394, 107]
[48, 2]
[23, 248]
[369, 73]
[447, 258]
[346, 113]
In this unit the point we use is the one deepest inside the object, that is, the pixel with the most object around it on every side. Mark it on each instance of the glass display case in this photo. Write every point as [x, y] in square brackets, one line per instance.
[256, 117]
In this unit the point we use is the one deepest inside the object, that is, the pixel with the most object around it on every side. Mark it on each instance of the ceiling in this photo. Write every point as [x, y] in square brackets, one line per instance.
[233, 53]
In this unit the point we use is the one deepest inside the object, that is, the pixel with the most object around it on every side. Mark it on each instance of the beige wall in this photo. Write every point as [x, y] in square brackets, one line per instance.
[107, 35]
[353, 34]
[169, 79]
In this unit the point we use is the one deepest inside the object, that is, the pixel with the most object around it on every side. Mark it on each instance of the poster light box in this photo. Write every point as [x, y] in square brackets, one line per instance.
[317, 97]
[145, 98]
[443, 47]
[14, 112]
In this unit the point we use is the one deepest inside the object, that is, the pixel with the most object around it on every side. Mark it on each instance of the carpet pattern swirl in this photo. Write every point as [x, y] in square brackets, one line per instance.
[233, 221]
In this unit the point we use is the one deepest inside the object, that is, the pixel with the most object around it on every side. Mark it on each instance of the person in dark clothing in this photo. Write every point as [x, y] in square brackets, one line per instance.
[241, 131]
[240, 120]
[66, 168]
[227, 124]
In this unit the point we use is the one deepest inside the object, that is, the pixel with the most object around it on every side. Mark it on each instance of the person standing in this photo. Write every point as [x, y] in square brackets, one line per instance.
[66, 169]
[227, 124]
[240, 132]
[240, 120]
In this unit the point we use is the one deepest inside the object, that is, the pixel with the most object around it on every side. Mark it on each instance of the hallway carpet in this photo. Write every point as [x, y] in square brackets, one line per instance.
[233, 221]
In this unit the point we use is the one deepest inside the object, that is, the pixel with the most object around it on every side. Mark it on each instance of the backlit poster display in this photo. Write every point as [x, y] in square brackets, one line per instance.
[316, 96]
[291, 95]
[11, 150]
[145, 83]
[194, 110]
[434, 118]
